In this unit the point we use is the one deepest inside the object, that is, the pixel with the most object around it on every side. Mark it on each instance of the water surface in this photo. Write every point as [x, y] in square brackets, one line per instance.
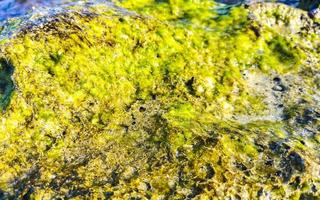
[15, 8]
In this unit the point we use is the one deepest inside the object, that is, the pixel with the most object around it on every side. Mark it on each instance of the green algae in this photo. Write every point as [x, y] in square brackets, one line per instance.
[152, 106]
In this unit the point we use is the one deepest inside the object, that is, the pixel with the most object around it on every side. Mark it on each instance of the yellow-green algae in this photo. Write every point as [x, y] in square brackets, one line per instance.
[175, 102]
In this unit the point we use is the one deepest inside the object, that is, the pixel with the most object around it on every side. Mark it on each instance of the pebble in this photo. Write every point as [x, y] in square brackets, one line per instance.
[279, 88]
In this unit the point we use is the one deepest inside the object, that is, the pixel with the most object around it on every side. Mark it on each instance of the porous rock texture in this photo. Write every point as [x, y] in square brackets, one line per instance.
[160, 100]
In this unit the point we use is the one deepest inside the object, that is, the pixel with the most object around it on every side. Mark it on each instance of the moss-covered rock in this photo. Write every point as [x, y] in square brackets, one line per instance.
[172, 101]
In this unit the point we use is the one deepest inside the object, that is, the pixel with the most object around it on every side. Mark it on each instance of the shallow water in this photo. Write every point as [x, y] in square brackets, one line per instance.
[15, 8]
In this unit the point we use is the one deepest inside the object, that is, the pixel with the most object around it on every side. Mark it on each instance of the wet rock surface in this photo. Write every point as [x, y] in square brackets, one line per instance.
[16, 8]
[159, 102]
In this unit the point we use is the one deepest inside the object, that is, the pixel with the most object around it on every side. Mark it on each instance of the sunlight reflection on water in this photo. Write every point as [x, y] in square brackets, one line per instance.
[15, 8]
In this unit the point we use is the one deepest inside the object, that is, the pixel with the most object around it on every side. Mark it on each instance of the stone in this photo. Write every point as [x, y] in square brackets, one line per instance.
[160, 100]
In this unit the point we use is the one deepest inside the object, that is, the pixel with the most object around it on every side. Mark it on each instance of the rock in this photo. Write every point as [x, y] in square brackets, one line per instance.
[297, 162]
[314, 13]
[283, 19]
[129, 173]
[160, 100]
[308, 116]
[210, 171]
[108, 195]
[307, 196]
[6, 83]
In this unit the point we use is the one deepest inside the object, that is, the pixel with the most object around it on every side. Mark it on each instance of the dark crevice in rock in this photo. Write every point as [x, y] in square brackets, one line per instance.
[189, 85]
[24, 185]
[6, 82]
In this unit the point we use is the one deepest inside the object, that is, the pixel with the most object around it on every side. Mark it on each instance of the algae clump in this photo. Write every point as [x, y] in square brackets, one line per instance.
[161, 103]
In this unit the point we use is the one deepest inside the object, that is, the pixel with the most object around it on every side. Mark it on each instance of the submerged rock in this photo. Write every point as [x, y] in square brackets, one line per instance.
[171, 101]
